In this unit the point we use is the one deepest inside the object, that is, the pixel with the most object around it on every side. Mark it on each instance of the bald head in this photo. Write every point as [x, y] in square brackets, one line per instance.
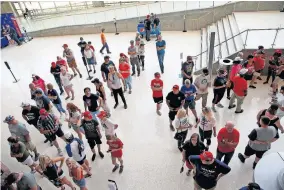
[230, 126]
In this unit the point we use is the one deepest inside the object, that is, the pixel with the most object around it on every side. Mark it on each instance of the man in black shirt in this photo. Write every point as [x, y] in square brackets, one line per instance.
[82, 44]
[55, 70]
[91, 102]
[147, 25]
[175, 101]
[187, 69]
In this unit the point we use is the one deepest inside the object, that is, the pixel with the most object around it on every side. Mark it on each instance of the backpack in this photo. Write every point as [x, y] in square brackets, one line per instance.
[81, 146]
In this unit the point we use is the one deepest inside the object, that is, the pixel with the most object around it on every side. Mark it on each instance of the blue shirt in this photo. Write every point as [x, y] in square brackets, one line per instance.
[188, 92]
[161, 44]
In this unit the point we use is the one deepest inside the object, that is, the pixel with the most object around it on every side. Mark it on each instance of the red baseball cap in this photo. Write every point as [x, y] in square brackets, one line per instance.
[176, 87]
[206, 155]
[42, 111]
[102, 114]
[87, 114]
[53, 64]
[65, 45]
[278, 51]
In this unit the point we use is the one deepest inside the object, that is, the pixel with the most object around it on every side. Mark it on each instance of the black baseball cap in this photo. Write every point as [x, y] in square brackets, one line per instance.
[106, 57]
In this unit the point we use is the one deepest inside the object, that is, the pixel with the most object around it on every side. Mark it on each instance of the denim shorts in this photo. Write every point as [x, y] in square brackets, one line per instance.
[80, 183]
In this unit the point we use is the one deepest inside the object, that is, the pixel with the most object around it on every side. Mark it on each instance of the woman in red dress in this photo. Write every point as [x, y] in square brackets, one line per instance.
[115, 148]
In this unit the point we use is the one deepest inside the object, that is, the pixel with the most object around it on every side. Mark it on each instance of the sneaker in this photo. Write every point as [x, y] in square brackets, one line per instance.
[213, 109]
[158, 112]
[94, 71]
[51, 144]
[75, 74]
[80, 75]
[120, 169]
[101, 155]
[143, 69]
[129, 92]
[172, 127]
[67, 97]
[254, 164]
[115, 168]
[46, 140]
[138, 74]
[188, 172]
[93, 157]
[101, 52]
[61, 92]
[232, 106]
[132, 74]
[242, 158]
[266, 82]
[220, 105]
[36, 157]
[60, 153]
[196, 120]
[259, 78]
[251, 86]
[241, 111]
[115, 106]
[109, 52]
[72, 98]
[90, 70]
[125, 106]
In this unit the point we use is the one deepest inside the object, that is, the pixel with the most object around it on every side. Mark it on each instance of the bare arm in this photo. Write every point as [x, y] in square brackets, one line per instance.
[59, 159]
[103, 91]
[258, 115]
[279, 126]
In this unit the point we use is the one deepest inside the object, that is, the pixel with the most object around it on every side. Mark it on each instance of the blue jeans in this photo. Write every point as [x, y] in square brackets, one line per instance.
[60, 108]
[16, 39]
[161, 61]
[94, 114]
[128, 82]
[58, 81]
[105, 46]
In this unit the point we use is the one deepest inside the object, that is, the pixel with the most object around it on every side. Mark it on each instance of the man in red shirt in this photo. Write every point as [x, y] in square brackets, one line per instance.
[228, 139]
[124, 69]
[157, 88]
[259, 63]
[240, 91]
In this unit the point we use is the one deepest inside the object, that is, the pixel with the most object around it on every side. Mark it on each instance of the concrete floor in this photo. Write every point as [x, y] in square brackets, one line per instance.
[152, 160]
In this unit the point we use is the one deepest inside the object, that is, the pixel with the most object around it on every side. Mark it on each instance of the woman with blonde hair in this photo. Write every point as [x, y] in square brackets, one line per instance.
[182, 125]
[207, 125]
[54, 173]
[74, 119]
[76, 172]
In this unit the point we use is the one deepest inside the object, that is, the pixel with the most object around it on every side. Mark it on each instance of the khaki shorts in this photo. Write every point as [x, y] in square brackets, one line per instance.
[72, 64]
[277, 80]
[30, 146]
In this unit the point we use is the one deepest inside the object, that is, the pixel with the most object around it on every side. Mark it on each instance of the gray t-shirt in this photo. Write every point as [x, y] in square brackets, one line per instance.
[68, 52]
[19, 130]
[262, 134]
[132, 49]
[27, 182]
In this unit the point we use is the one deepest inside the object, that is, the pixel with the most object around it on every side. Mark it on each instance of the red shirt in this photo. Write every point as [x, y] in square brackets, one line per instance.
[40, 84]
[157, 84]
[229, 137]
[92, 47]
[61, 63]
[240, 85]
[259, 63]
[124, 70]
[115, 144]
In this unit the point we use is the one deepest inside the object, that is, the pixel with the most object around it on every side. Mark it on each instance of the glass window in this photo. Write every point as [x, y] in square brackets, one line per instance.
[32, 5]
[47, 5]
[62, 3]
[17, 6]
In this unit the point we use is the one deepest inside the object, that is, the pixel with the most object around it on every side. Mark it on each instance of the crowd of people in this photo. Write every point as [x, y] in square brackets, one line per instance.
[195, 152]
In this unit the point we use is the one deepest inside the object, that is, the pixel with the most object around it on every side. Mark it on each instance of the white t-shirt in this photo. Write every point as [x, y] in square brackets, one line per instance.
[74, 116]
[88, 53]
[65, 79]
[108, 126]
[181, 122]
[202, 82]
[75, 151]
[280, 100]
[206, 125]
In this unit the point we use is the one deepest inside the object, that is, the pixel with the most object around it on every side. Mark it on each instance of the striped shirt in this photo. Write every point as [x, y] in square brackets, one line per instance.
[47, 124]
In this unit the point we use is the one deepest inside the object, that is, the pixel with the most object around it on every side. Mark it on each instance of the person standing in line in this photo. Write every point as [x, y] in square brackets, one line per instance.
[75, 148]
[54, 97]
[161, 46]
[91, 59]
[208, 170]
[104, 42]
[91, 102]
[107, 124]
[76, 172]
[234, 71]
[124, 70]
[49, 125]
[91, 46]
[156, 24]
[115, 148]
[202, 82]
[82, 44]
[189, 91]
[5, 171]
[175, 101]
[20, 131]
[114, 80]
[132, 52]
[240, 91]
[259, 63]
[187, 69]
[92, 133]
[105, 71]
[207, 125]
[260, 140]
[280, 102]
[249, 65]
[141, 54]
[147, 25]
[157, 86]
[123, 58]
[33, 89]
[274, 62]
[182, 125]
[54, 173]
[101, 92]
[55, 71]
[42, 101]
[61, 63]
[74, 119]
[39, 83]
[192, 147]
[279, 78]
[23, 181]
[219, 88]
[68, 53]
[66, 78]
[228, 139]
[31, 115]
[19, 151]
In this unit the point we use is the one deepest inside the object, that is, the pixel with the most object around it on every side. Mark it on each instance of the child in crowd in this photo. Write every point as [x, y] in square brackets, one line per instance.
[65, 78]
[76, 172]
[74, 119]
[141, 54]
[115, 148]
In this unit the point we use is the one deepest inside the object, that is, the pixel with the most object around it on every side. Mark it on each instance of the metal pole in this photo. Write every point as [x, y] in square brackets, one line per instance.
[246, 40]
[211, 51]
[184, 27]
[273, 44]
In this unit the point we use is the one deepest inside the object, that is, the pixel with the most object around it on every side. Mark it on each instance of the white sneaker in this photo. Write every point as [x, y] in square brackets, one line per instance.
[220, 105]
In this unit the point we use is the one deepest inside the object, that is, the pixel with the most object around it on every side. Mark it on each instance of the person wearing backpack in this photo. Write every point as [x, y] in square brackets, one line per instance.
[92, 133]
[75, 148]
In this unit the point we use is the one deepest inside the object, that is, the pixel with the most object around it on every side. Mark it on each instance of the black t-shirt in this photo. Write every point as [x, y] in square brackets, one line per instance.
[91, 102]
[82, 44]
[187, 67]
[206, 175]
[157, 21]
[53, 92]
[220, 81]
[104, 68]
[55, 71]
[90, 128]
[175, 99]
[147, 23]
[32, 115]
[192, 150]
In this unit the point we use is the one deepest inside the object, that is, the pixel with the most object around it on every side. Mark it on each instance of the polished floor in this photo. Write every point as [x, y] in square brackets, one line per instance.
[151, 157]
